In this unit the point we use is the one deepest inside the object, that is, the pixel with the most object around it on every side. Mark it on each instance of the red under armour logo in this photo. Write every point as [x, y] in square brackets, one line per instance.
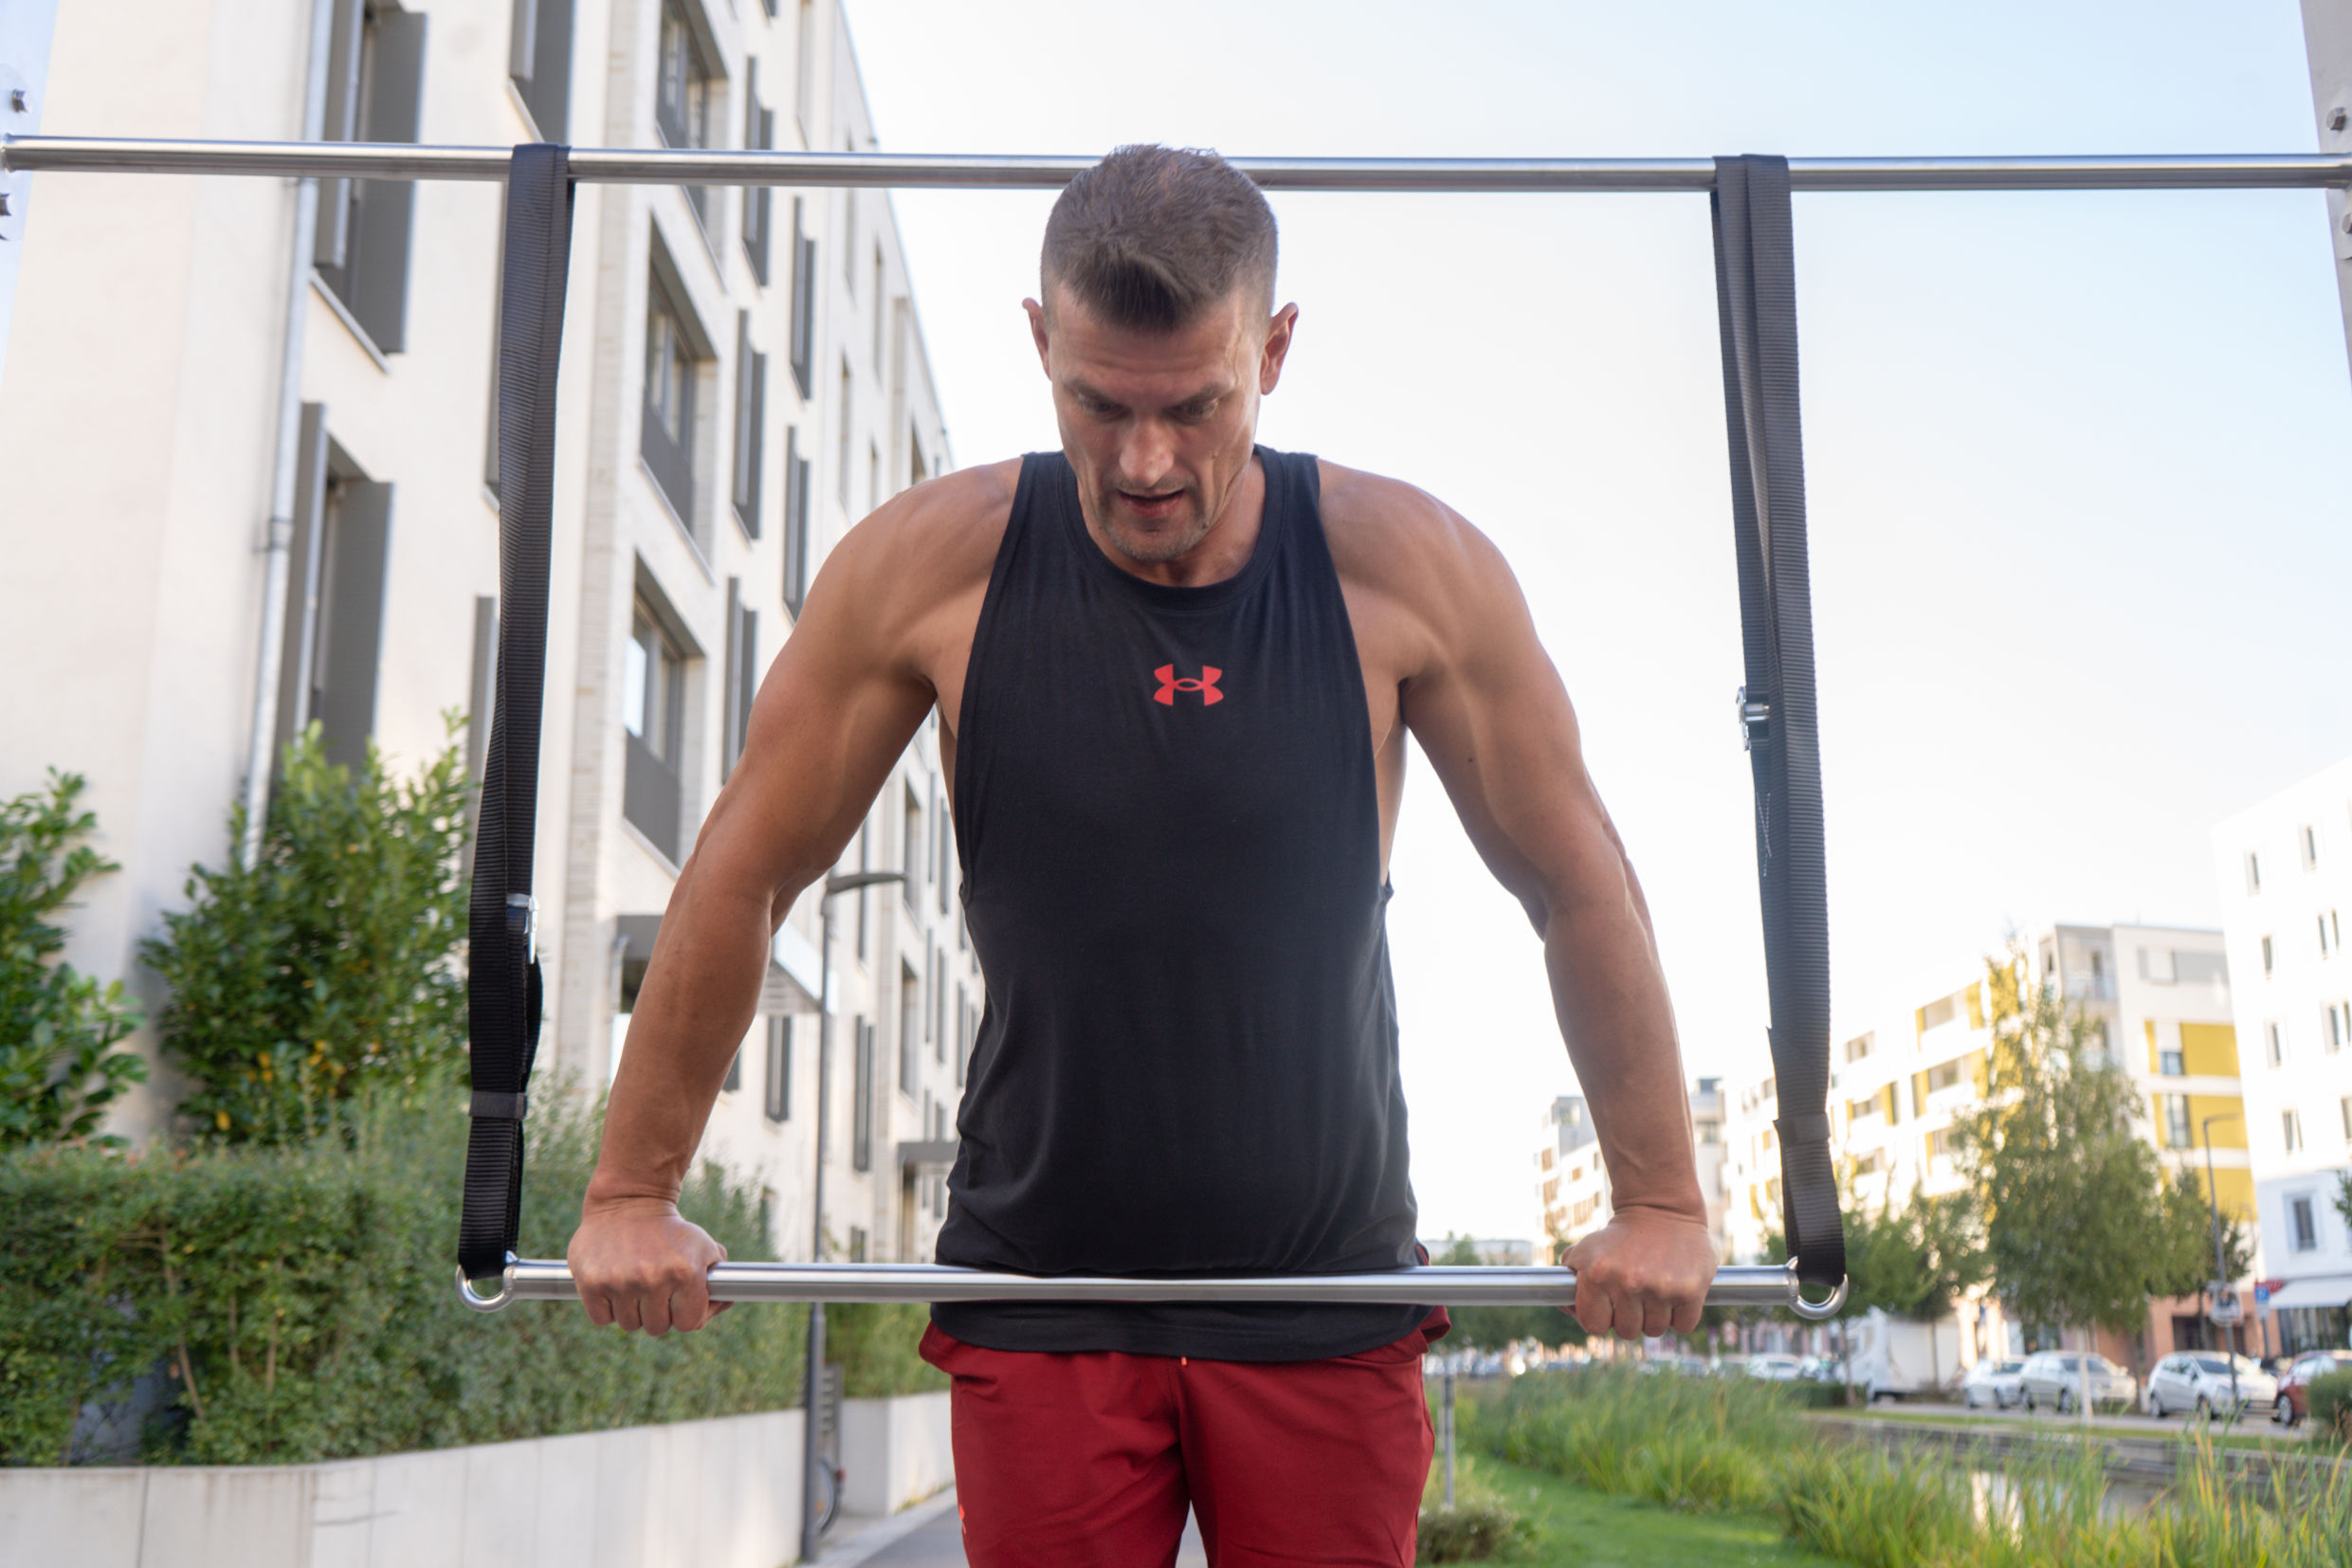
[1205, 685]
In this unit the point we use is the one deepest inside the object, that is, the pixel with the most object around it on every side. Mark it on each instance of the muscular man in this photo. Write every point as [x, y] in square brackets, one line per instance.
[1174, 672]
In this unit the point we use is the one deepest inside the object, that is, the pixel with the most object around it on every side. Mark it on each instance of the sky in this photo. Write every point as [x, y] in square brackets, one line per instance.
[2075, 461]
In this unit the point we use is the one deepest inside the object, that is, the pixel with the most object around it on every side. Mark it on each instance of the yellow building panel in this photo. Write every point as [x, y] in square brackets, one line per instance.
[1979, 1071]
[2155, 1061]
[2209, 1050]
[2229, 1132]
[1919, 1091]
[1976, 1004]
[2231, 1188]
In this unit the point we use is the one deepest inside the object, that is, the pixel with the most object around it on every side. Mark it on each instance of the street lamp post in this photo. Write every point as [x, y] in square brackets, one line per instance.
[2212, 1207]
[813, 1415]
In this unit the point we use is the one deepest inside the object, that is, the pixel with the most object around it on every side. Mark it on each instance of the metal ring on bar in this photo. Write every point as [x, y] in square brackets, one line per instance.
[1820, 1311]
[926, 170]
[466, 1294]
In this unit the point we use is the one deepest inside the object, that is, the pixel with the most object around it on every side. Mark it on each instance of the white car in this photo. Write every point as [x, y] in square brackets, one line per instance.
[2000, 1384]
[2052, 1379]
[2199, 1380]
[1771, 1367]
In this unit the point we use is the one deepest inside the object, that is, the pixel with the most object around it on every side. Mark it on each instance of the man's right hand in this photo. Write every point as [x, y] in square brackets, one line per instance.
[636, 1262]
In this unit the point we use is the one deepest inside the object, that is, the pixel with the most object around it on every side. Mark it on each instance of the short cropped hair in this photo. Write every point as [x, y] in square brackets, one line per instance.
[1151, 236]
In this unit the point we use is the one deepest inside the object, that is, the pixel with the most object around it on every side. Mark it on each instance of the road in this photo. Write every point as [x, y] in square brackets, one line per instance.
[938, 1544]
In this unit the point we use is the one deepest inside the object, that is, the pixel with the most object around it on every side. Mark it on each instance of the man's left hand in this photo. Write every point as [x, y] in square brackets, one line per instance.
[1644, 1273]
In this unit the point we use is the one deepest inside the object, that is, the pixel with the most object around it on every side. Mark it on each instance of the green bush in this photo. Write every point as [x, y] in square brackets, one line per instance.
[1470, 1532]
[299, 1300]
[878, 1345]
[333, 965]
[58, 1073]
[2331, 1404]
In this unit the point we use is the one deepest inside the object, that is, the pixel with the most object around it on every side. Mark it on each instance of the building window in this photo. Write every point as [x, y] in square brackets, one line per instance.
[337, 568]
[935, 1022]
[2266, 959]
[2343, 1109]
[672, 367]
[1943, 1076]
[779, 1080]
[2331, 934]
[910, 1027]
[751, 425]
[2309, 837]
[857, 1240]
[743, 673]
[2253, 872]
[862, 1098]
[842, 476]
[375, 92]
[2305, 1225]
[2170, 1061]
[865, 863]
[2178, 1134]
[1860, 1046]
[538, 59]
[795, 522]
[2290, 1130]
[2339, 1025]
[735, 1073]
[758, 200]
[2274, 1041]
[684, 96]
[804, 62]
[910, 841]
[873, 475]
[653, 684]
[877, 354]
[804, 303]
[964, 1029]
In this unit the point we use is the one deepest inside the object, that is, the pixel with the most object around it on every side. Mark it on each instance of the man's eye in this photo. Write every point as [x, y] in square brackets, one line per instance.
[1194, 414]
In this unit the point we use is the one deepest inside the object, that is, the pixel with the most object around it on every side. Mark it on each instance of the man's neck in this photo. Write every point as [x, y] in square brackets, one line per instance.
[1222, 552]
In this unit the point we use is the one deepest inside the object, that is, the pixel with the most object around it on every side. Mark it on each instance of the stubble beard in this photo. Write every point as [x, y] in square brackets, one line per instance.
[1165, 544]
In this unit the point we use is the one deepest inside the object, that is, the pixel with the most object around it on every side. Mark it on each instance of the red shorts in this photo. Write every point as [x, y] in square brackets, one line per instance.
[1092, 1458]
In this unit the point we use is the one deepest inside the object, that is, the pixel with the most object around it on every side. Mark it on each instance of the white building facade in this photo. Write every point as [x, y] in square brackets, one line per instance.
[1571, 1180]
[743, 378]
[2284, 871]
[1902, 1078]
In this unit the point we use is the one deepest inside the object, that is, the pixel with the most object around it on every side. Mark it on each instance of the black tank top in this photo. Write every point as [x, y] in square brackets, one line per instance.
[1169, 831]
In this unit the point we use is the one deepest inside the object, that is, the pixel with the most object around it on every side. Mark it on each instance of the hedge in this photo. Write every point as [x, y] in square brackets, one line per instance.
[291, 1305]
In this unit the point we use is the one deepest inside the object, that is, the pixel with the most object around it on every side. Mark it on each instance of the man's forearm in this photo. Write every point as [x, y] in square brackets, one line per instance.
[701, 991]
[1610, 994]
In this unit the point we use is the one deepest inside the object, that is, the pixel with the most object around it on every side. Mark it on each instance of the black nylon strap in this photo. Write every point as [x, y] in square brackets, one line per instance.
[502, 971]
[1755, 298]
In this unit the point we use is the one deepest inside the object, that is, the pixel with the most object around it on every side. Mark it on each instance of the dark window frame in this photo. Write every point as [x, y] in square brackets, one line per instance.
[538, 62]
[363, 243]
[675, 357]
[751, 425]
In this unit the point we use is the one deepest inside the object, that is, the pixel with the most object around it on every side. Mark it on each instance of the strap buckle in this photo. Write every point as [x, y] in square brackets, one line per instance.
[1754, 720]
[523, 923]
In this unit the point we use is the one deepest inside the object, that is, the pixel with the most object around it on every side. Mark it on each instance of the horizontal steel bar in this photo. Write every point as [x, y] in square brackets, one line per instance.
[550, 1279]
[923, 171]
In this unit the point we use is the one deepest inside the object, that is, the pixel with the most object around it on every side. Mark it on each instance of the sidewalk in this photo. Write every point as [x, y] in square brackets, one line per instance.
[928, 1538]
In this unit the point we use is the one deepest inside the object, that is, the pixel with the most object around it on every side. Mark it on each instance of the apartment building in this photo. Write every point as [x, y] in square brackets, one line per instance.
[2285, 870]
[743, 378]
[1572, 1178]
[2157, 997]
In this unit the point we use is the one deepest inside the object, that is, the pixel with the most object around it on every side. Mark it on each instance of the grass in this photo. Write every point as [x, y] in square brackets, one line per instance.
[1738, 1453]
[1577, 1528]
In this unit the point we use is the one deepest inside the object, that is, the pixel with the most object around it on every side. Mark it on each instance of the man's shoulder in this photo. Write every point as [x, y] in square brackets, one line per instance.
[1388, 534]
[932, 538]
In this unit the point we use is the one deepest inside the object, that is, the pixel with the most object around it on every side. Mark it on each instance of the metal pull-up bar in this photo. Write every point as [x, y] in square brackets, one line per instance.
[927, 171]
[549, 1280]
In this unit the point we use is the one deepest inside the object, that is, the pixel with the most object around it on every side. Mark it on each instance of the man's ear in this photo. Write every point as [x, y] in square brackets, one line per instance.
[1038, 334]
[1278, 335]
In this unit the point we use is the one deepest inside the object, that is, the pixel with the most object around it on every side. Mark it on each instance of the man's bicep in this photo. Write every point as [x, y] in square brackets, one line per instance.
[835, 711]
[1493, 716]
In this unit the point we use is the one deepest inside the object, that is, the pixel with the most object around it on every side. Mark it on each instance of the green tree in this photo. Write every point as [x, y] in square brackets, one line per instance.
[2081, 1225]
[335, 962]
[1500, 1327]
[58, 1068]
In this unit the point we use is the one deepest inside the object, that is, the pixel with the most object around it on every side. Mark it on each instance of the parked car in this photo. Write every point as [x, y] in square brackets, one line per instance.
[1820, 1368]
[1997, 1384]
[2200, 1380]
[2294, 1402]
[1773, 1367]
[2051, 1379]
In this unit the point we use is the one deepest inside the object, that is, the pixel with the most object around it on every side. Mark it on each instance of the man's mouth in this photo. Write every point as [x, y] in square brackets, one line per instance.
[1152, 506]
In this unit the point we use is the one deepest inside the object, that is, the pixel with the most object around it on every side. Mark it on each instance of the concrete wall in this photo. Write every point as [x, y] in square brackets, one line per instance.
[696, 1494]
[894, 1452]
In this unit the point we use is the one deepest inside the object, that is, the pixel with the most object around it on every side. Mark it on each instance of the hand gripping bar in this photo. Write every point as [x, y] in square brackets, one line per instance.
[549, 1280]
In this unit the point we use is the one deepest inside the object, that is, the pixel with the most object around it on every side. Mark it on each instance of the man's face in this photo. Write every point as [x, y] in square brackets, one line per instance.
[1160, 425]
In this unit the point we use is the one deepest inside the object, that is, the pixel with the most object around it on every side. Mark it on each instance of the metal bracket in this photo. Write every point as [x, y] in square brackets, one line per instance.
[1820, 1311]
[522, 921]
[472, 1298]
[1755, 720]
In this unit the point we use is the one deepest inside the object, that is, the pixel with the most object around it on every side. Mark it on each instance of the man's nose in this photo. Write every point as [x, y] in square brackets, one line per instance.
[1146, 455]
